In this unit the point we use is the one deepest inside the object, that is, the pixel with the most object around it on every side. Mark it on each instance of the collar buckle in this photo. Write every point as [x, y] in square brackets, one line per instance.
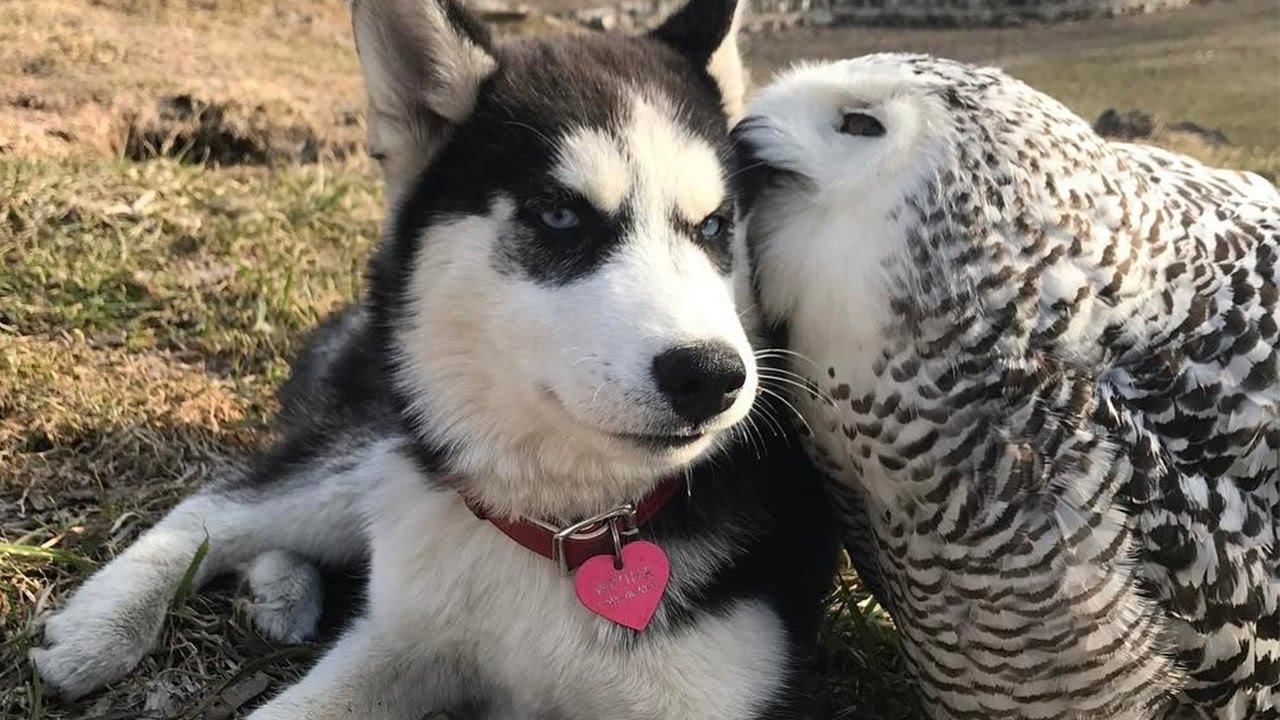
[620, 522]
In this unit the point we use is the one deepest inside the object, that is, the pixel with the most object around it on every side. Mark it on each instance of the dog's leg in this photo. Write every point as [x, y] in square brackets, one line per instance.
[313, 510]
[369, 676]
[111, 622]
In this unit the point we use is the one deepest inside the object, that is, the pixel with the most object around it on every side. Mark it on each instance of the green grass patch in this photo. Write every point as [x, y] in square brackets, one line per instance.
[187, 585]
[231, 265]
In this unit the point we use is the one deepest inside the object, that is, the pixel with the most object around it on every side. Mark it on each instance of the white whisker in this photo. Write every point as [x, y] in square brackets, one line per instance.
[767, 415]
[784, 352]
[786, 402]
[747, 429]
[803, 387]
[596, 394]
[786, 373]
[745, 168]
[550, 143]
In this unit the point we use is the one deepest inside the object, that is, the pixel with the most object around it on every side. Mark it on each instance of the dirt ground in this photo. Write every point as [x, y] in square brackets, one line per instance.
[235, 81]
[183, 193]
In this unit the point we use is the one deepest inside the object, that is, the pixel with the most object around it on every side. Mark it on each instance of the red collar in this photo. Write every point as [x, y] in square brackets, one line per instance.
[585, 539]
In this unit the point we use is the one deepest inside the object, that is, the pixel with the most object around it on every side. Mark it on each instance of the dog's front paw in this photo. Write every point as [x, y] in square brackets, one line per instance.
[96, 639]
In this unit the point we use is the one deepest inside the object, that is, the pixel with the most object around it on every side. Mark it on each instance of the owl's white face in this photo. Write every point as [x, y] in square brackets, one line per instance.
[856, 130]
[844, 143]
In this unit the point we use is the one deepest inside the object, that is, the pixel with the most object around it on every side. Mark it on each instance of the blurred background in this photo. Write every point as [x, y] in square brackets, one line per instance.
[184, 192]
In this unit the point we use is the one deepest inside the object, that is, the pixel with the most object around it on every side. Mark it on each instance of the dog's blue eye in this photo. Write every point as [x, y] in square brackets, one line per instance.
[561, 218]
[712, 227]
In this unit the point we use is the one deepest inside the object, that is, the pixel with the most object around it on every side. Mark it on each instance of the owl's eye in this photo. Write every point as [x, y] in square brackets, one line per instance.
[561, 218]
[861, 125]
[712, 227]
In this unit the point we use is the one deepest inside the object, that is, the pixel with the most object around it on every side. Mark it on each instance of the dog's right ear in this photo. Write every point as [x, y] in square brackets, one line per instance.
[423, 63]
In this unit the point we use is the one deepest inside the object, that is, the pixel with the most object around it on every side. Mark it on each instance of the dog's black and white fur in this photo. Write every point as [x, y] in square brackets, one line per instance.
[550, 330]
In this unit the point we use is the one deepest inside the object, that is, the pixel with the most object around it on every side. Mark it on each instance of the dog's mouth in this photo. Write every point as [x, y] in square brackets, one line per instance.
[672, 441]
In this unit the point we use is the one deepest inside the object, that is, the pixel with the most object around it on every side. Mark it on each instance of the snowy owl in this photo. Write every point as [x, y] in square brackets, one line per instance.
[1043, 367]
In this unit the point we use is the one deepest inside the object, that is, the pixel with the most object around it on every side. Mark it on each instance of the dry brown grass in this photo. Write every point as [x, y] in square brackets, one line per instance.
[146, 313]
[96, 442]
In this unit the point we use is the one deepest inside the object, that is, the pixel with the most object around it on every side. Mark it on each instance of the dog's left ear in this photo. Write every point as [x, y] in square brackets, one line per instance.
[423, 62]
[706, 32]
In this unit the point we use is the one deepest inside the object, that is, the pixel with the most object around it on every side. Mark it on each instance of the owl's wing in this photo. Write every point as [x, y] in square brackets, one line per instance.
[1182, 175]
[1204, 395]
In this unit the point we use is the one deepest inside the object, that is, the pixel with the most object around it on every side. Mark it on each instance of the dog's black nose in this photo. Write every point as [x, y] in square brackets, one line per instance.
[700, 380]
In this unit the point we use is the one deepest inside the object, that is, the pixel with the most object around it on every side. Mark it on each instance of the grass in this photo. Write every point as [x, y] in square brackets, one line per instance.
[225, 266]
[146, 314]
[147, 310]
[863, 673]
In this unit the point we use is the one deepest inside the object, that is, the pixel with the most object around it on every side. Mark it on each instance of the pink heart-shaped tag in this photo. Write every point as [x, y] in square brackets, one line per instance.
[628, 596]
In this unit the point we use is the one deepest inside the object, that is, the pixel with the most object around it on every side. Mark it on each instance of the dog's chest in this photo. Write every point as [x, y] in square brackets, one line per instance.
[446, 583]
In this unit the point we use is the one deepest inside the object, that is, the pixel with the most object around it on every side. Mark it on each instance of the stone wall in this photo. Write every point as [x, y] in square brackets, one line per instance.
[773, 14]
[946, 13]
[628, 16]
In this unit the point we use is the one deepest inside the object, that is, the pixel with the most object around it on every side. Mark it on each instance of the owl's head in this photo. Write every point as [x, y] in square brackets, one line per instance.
[843, 133]
[906, 163]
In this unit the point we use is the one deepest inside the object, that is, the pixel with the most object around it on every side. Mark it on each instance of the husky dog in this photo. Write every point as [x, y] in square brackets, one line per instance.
[549, 334]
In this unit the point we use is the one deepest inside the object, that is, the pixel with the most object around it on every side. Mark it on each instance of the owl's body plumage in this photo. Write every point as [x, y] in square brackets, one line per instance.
[1046, 371]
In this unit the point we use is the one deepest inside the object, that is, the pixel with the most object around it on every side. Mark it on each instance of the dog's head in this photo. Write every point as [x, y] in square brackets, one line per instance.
[556, 288]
